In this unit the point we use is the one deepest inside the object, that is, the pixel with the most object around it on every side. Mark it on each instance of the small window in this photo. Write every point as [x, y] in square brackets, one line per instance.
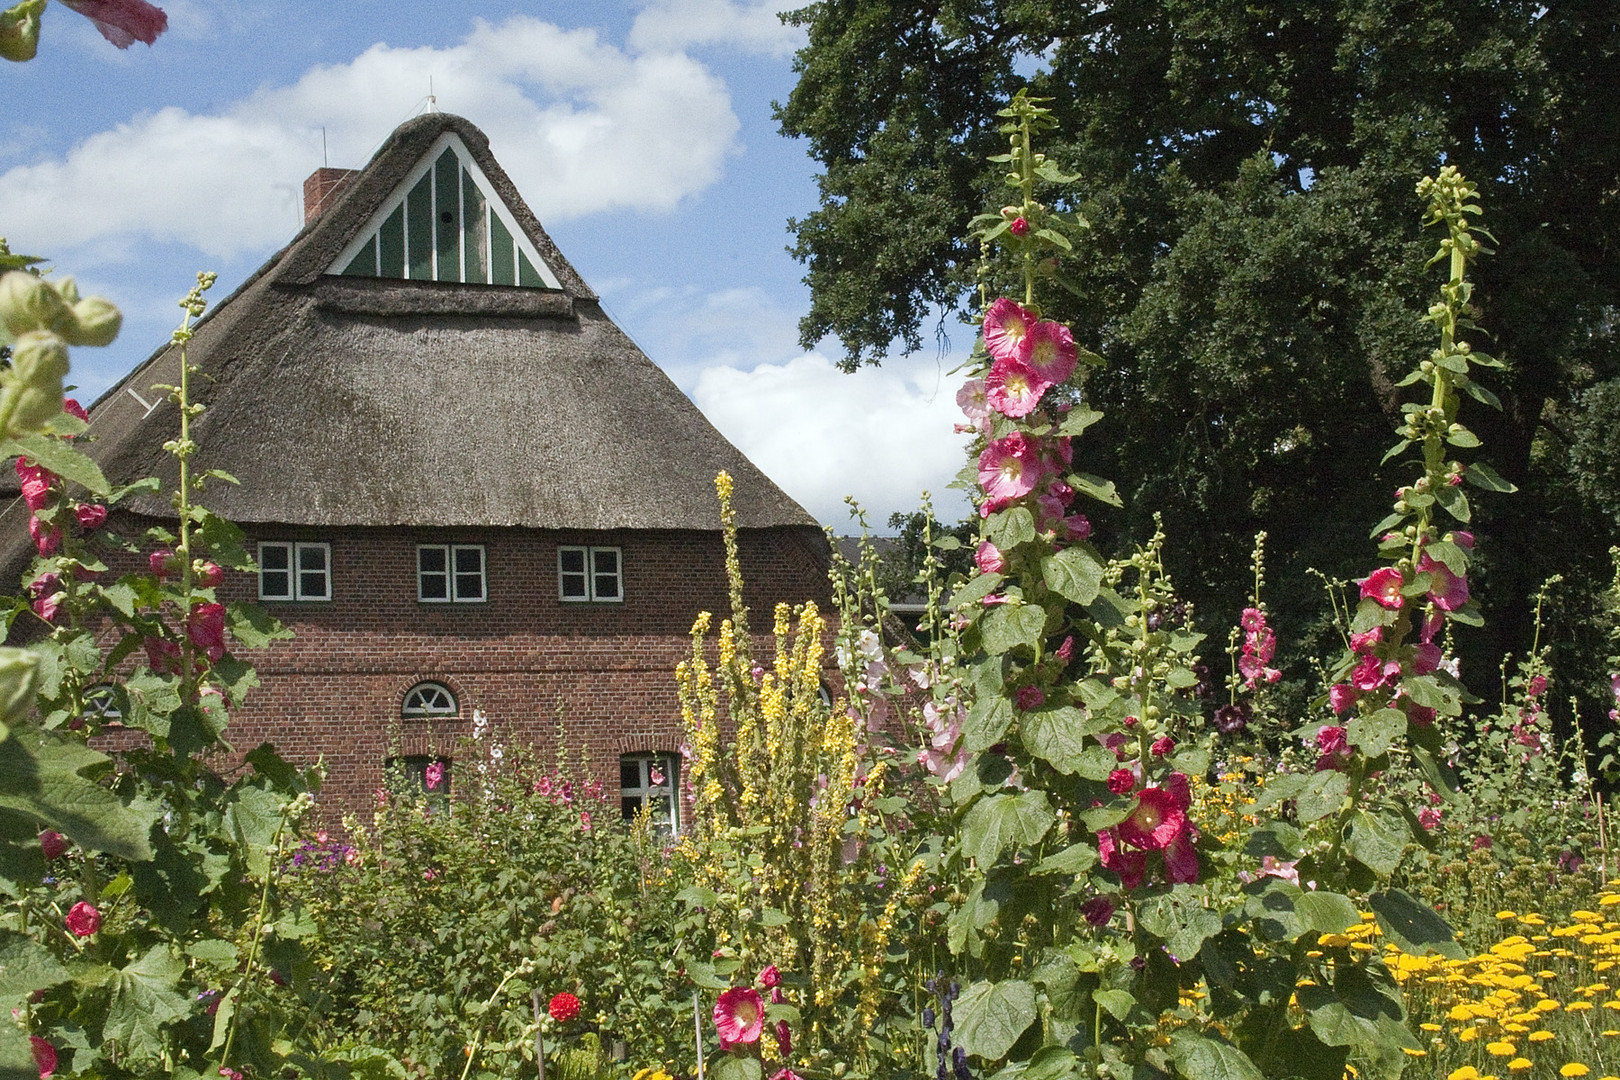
[652, 781]
[450, 573]
[295, 571]
[590, 573]
[420, 776]
[103, 705]
[429, 699]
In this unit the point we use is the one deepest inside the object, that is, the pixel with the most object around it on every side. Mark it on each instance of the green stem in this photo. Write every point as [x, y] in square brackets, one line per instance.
[253, 949]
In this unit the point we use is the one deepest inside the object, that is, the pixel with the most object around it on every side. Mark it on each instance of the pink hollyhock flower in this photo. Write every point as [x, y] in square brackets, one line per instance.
[53, 844]
[1538, 685]
[1383, 586]
[1447, 591]
[1363, 643]
[205, 626]
[1013, 388]
[1010, 468]
[1049, 510]
[1097, 911]
[1181, 857]
[974, 404]
[1482, 842]
[90, 515]
[46, 538]
[1062, 449]
[36, 482]
[1115, 743]
[1428, 817]
[1121, 781]
[1252, 620]
[162, 563]
[44, 1056]
[1005, 325]
[82, 919]
[1463, 539]
[72, 407]
[1179, 790]
[989, 559]
[1262, 645]
[1129, 865]
[1076, 527]
[1155, 820]
[1049, 350]
[1331, 740]
[1019, 227]
[739, 1016]
[769, 977]
[655, 775]
[585, 821]
[1368, 674]
[1341, 697]
[1065, 653]
[563, 1007]
[1271, 866]
[784, 1039]
[434, 776]
[1163, 747]
[209, 575]
[1421, 715]
[123, 22]
[1030, 697]
[1426, 657]
[785, 1073]
[162, 655]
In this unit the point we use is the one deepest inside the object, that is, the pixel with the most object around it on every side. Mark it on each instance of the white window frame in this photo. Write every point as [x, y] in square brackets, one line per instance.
[591, 574]
[295, 571]
[453, 592]
[406, 709]
[643, 791]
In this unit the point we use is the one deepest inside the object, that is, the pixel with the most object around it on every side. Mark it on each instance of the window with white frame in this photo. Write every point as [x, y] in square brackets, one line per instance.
[585, 574]
[429, 699]
[651, 782]
[450, 573]
[419, 776]
[295, 570]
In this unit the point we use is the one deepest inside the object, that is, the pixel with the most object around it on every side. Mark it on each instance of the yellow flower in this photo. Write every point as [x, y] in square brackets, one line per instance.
[1541, 1036]
[1518, 1064]
[1500, 1048]
[1507, 915]
[1467, 1072]
[1574, 1068]
[1578, 1006]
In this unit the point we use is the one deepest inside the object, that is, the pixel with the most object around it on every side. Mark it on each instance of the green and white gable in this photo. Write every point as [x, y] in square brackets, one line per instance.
[445, 222]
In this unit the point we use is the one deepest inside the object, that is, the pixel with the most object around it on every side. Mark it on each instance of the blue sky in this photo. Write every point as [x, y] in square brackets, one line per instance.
[640, 134]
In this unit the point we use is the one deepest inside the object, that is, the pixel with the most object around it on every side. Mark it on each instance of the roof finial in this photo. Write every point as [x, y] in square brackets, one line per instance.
[433, 102]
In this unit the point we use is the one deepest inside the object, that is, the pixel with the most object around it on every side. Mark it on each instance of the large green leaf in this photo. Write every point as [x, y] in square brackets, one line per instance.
[735, 1067]
[1075, 573]
[1200, 1058]
[16, 1055]
[1326, 912]
[1323, 794]
[251, 821]
[26, 966]
[1180, 918]
[1414, 926]
[1377, 841]
[41, 775]
[997, 823]
[1057, 735]
[991, 1016]
[1377, 732]
[1010, 528]
[1010, 626]
[986, 722]
[144, 999]
[59, 457]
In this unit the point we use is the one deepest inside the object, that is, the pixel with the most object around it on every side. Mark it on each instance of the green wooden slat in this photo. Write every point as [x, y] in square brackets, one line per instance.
[391, 245]
[447, 208]
[527, 274]
[503, 271]
[419, 228]
[364, 264]
[473, 240]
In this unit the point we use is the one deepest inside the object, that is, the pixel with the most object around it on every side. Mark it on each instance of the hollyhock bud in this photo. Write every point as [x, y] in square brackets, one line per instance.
[1162, 747]
[19, 42]
[205, 626]
[90, 515]
[989, 559]
[1097, 911]
[82, 919]
[209, 575]
[162, 563]
[1065, 651]
[1030, 697]
[1019, 227]
[53, 844]
[1121, 781]
[784, 1040]
[29, 303]
[39, 362]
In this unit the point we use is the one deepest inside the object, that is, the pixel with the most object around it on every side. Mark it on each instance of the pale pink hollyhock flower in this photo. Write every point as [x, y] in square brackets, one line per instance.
[123, 22]
[988, 558]
[46, 538]
[1013, 388]
[1383, 586]
[1129, 865]
[90, 515]
[1006, 324]
[1271, 866]
[1010, 468]
[44, 1056]
[975, 406]
[1155, 820]
[82, 919]
[1049, 350]
[1341, 696]
[739, 1016]
[1447, 591]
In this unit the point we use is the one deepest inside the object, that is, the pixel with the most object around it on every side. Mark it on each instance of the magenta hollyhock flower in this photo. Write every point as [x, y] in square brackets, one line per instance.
[36, 482]
[1019, 226]
[1129, 865]
[72, 407]
[1363, 643]
[1005, 325]
[1065, 653]
[1428, 817]
[1049, 510]
[1077, 527]
[162, 562]
[209, 575]
[1447, 591]
[1013, 388]
[989, 559]
[53, 844]
[82, 919]
[1482, 842]
[1049, 350]
[1463, 539]
[205, 626]
[1097, 911]
[123, 22]
[655, 776]
[46, 538]
[1262, 644]
[1030, 697]
[1252, 620]
[1181, 857]
[1156, 819]
[1421, 715]
[1538, 685]
[785, 1073]
[563, 1007]
[1341, 697]
[784, 1039]
[90, 515]
[434, 776]
[739, 1016]
[1426, 657]
[770, 976]
[1331, 739]
[1121, 781]
[162, 655]
[1010, 468]
[44, 1056]
[1383, 586]
[1163, 746]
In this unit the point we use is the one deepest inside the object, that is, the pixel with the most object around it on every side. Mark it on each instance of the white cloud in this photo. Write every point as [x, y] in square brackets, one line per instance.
[674, 25]
[581, 125]
[883, 435]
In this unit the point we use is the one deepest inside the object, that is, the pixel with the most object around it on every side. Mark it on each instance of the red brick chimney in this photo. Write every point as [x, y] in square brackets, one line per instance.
[322, 189]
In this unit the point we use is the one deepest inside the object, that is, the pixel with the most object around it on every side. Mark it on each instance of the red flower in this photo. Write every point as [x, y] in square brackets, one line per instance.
[53, 844]
[90, 515]
[1156, 819]
[784, 1040]
[72, 407]
[1383, 587]
[1030, 697]
[1019, 227]
[36, 481]
[83, 919]
[44, 1055]
[46, 538]
[770, 977]
[1121, 781]
[123, 22]
[1163, 747]
[162, 563]
[205, 626]
[563, 1007]
[1097, 911]
[1129, 865]
[1181, 858]
[739, 1016]
[162, 655]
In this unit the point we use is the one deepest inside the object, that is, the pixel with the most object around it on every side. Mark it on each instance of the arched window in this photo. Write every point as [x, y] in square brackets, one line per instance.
[429, 699]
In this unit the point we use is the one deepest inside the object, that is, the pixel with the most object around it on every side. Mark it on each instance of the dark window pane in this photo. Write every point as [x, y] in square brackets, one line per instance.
[430, 560]
[273, 556]
[527, 274]
[572, 560]
[630, 807]
[629, 773]
[312, 557]
[469, 560]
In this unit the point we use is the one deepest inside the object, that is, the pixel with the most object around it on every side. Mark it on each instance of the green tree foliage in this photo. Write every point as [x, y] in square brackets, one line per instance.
[1246, 170]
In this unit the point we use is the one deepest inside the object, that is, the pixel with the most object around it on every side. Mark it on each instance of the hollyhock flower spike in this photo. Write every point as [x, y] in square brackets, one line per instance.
[1049, 351]
[1013, 388]
[739, 1016]
[1006, 323]
[123, 22]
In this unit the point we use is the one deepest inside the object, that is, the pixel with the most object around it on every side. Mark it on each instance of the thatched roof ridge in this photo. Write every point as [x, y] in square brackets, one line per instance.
[361, 401]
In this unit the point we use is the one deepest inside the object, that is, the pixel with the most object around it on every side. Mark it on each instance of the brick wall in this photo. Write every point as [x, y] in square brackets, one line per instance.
[336, 689]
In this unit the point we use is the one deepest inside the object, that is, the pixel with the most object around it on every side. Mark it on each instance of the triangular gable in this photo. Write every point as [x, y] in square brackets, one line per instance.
[444, 222]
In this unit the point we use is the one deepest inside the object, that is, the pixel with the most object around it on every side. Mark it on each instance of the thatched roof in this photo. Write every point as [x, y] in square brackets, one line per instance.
[369, 401]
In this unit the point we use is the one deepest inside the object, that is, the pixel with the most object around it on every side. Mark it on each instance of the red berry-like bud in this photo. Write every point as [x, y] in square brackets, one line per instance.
[1019, 227]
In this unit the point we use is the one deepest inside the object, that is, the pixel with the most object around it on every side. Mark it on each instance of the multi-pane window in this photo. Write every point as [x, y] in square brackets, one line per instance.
[429, 699]
[420, 776]
[290, 570]
[651, 782]
[590, 573]
[450, 573]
